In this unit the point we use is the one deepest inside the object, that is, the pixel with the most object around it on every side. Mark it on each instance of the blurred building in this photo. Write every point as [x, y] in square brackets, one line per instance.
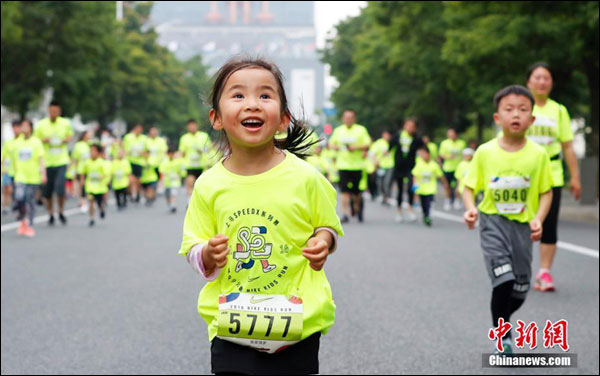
[282, 31]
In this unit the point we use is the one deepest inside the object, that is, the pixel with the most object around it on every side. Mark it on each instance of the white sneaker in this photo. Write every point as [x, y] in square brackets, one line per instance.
[83, 208]
[411, 216]
[398, 218]
[447, 205]
[457, 205]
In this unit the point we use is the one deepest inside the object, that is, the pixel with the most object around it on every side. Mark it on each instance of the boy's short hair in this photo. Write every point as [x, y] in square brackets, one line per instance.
[424, 148]
[513, 89]
[539, 64]
[16, 123]
[54, 103]
[98, 147]
[192, 121]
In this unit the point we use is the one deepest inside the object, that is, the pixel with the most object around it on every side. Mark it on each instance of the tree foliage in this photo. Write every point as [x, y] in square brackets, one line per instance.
[442, 62]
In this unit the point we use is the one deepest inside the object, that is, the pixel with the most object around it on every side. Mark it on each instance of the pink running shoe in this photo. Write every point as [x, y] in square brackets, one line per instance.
[29, 232]
[544, 282]
[22, 229]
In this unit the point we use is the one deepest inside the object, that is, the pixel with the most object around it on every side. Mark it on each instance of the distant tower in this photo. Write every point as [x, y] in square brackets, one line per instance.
[264, 16]
[214, 16]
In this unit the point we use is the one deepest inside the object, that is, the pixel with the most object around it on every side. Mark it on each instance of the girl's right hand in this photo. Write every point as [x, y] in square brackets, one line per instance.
[470, 218]
[214, 254]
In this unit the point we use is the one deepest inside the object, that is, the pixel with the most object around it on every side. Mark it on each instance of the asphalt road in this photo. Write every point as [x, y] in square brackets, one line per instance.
[118, 299]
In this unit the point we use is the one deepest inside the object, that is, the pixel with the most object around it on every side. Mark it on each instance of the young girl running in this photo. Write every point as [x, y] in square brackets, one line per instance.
[260, 226]
[95, 174]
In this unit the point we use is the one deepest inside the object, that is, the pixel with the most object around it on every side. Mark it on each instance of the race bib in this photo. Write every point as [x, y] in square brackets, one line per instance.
[267, 323]
[194, 157]
[25, 154]
[55, 151]
[55, 141]
[85, 155]
[119, 174]
[348, 140]
[174, 176]
[95, 177]
[543, 131]
[510, 193]
[426, 177]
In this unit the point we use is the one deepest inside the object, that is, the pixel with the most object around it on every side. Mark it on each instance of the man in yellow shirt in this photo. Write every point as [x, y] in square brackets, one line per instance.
[55, 132]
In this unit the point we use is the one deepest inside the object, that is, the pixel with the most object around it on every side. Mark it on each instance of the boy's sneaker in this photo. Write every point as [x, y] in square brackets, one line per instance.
[173, 210]
[398, 218]
[92, 223]
[457, 205]
[411, 216]
[22, 229]
[102, 214]
[345, 219]
[29, 232]
[51, 221]
[427, 221]
[544, 282]
[506, 343]
[62, 218]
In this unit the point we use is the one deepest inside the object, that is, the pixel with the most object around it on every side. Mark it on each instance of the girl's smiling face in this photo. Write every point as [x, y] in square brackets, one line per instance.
[250, 108]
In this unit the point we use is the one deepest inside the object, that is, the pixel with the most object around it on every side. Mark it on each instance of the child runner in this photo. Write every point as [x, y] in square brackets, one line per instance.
[134, 144]
[96, 177]
[514, 174]
[193, 145]
[120, 172]
[260, 226]
[149, 179]
[30, 173]
[81, 153]
[172, 170]
[8, 172]
[463, 169]
[451, 152]
[425, 175]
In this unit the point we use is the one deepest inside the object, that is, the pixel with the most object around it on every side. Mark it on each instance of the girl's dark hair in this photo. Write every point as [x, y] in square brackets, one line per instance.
[28, 122]
[298, 131]
[98, 147]
[537, 65]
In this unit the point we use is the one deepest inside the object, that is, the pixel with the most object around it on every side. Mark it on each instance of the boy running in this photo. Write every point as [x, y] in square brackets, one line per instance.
[514, 175]
[96, 172]
[120, 172]
[172, 170]
[425, 175]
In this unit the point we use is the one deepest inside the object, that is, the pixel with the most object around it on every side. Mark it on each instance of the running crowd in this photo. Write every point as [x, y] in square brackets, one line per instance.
[517, 178]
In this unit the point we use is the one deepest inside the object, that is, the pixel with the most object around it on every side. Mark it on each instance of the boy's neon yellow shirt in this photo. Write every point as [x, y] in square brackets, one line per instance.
[97, 175]
[287, 204]
[433, 150]
[380, 149]
[356, 136]
[461, 173]
[157, 150]
[426, 175]
[56, 152]
[120, 171]
[149, 174]
[451, 152]
[27, 155]
[512, 182]
[317, 162]
[173, 170]
[134, 146]
[193, 147]
[552, 127]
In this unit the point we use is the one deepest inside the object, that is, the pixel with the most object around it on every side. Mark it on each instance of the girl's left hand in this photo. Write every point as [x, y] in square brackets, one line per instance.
[316, 252]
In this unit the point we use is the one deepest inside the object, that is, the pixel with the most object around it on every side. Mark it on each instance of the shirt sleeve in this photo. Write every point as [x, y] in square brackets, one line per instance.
[69, 128]
[438, 171]
[474, 178]
[322, 203]
[199, 224]
[564, 126]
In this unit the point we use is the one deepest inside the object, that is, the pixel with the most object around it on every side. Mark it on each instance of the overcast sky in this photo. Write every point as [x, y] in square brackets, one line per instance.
[329, 13]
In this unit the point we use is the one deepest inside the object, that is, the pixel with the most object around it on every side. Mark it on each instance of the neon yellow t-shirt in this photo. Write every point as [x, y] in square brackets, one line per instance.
[56, 151]
[329, 156]
[356, 136]
[81, 153]
[426, 175]
[157, 149]
[512, 182]
[97, 175]
[27, 155]
[317, 162]
[380, 150]
[134, 146]
[405, 141]
[193, 147]
[268, 218]
[461, 173]
[451, 152]
[173, 170]
[149, 174]
[552, 127]
[120, 170]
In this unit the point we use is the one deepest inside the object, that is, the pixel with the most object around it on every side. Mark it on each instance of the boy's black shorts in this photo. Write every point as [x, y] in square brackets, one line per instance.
[350, 181]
